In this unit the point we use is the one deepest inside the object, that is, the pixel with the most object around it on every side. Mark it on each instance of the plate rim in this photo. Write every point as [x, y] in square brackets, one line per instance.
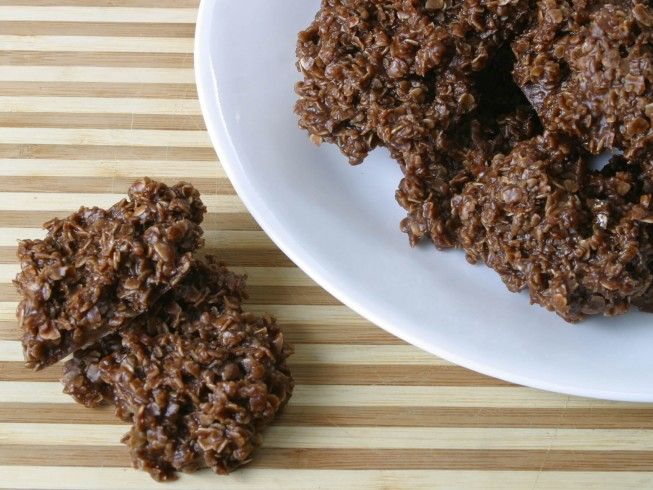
[218, 133]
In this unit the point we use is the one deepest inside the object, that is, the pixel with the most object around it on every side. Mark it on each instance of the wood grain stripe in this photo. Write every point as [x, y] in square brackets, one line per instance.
[295, 314]
[250, 240]
[323, 374]
[365, 396]
[622, 416]
[99, 89]
[95, 74]
[96, 44]
[256, 276]
[110, 29]
[105, 59]
[168, 170]
[223, 221]
[359, 459]
[315, 354]
[105, 3]
[96, 105]
[52, 202]
[296, 333]
[108, 185]
[57, 136]
[363, 437]
[97, 14]
[261, 295]
[102, 121]
[87, 152]
[63, 478]
[233, 257]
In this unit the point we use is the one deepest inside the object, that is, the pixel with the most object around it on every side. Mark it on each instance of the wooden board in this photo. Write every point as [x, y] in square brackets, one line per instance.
[96, 93]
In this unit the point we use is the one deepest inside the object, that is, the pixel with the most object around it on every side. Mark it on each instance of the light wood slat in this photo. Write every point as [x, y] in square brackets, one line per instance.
[365, 396]
[11, 350]
[362, 355]
[270, 276]
[162, 169]
[57, 136]
[8, 311]
[8, 272]
[363, 437]
[96, 44]
[93, 105]
[98, 14]
[365, 355]
[47, 201]
[64, 478]
[95, 74]
[311, 315]
[105, 3]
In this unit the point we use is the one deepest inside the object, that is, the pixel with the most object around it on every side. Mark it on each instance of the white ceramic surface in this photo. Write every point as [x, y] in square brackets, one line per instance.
[340, 225]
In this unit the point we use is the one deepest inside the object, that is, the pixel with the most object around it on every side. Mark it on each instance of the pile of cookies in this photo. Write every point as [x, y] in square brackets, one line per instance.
[153, 329]
[496, 111]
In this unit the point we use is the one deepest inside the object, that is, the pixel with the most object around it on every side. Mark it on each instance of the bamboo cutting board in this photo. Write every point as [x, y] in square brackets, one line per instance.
[96, 93]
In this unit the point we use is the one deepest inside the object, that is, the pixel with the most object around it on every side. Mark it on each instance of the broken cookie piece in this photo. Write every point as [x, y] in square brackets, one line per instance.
[197, 377]
[98, 269]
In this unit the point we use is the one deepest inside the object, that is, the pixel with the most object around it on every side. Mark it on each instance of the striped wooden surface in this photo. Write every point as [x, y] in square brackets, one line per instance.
[95, 93]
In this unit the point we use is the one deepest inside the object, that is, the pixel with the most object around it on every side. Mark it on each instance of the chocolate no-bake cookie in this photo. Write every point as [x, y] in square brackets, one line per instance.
[587, 68]
[98, 269]
[198, 377]
[579, 240]
[381, 73]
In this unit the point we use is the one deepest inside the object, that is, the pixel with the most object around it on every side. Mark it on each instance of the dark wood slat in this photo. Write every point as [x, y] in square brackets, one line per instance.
[100, 89]
[294, 415]
[92, 152]
[324, 374]
[359, 459]
[106, 29]
[100, 185]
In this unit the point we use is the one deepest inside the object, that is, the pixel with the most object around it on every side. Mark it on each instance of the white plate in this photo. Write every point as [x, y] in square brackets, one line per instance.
[340, 224]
